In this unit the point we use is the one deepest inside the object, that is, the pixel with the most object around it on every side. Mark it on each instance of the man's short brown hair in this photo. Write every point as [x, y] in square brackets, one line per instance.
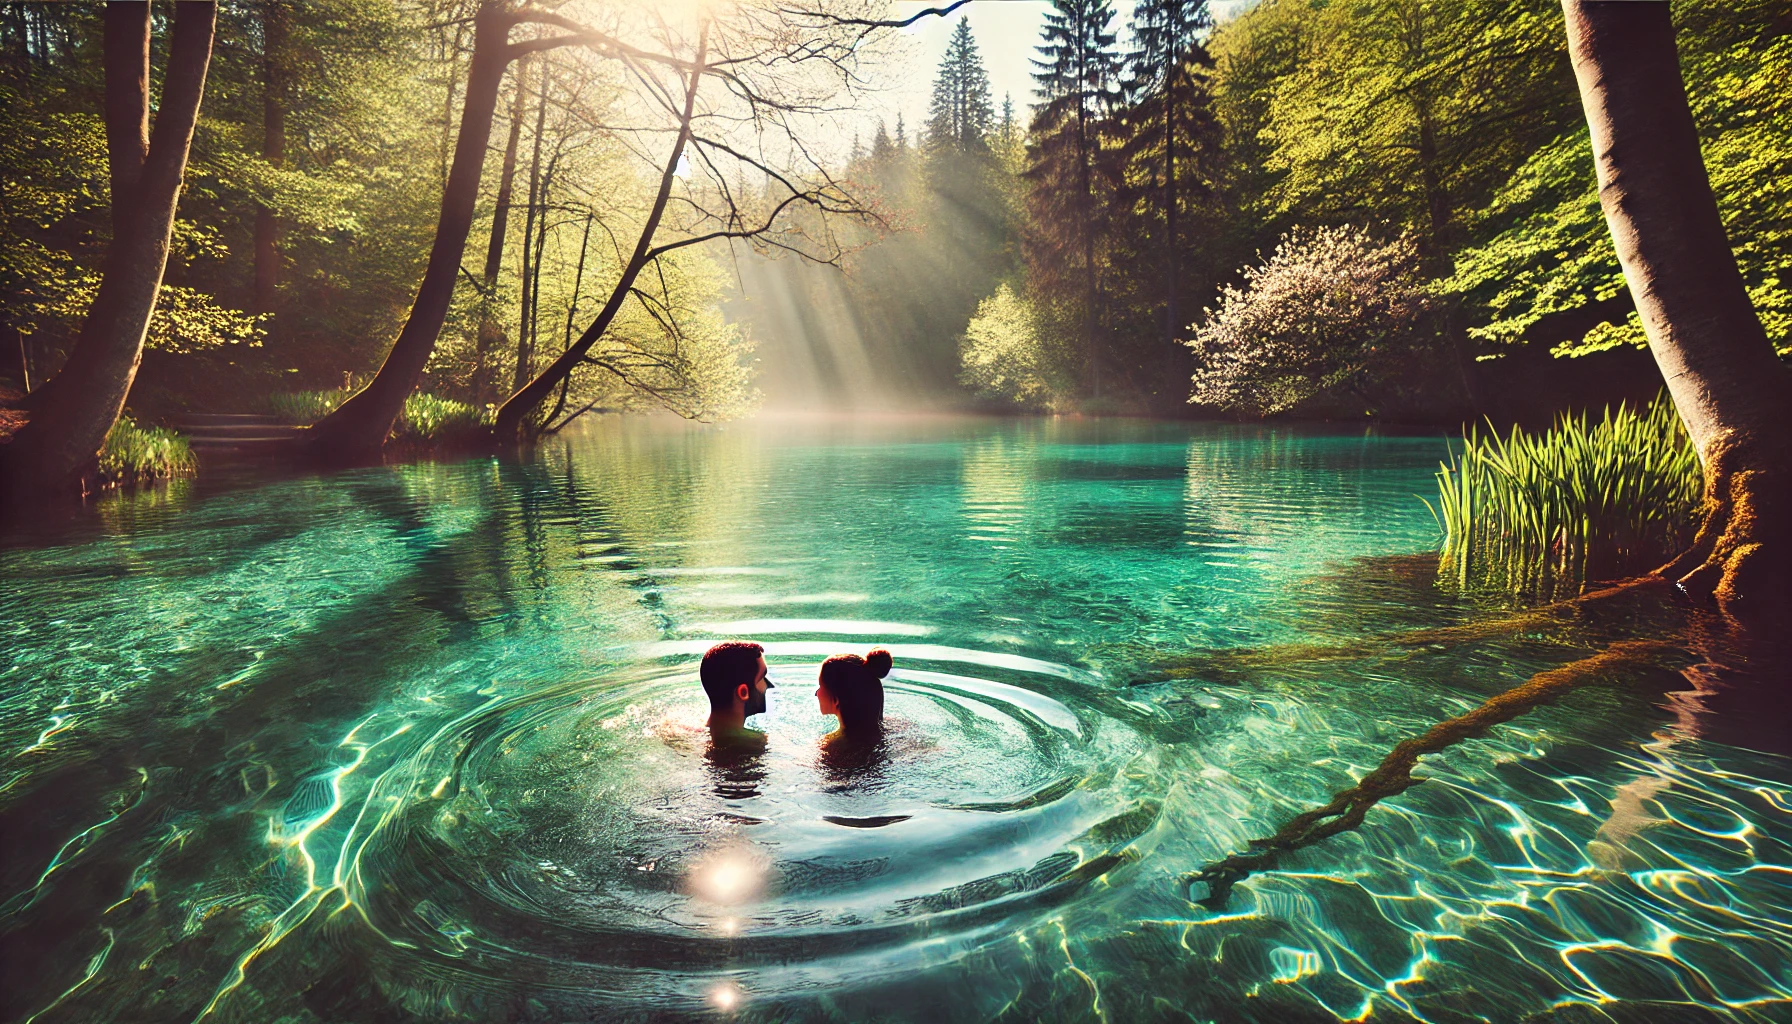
[726, 666]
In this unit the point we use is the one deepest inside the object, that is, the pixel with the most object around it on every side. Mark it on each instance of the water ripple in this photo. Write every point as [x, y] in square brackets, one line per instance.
[424, 743]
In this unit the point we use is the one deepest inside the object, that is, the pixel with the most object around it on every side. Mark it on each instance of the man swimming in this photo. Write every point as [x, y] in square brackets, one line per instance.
[733, 675]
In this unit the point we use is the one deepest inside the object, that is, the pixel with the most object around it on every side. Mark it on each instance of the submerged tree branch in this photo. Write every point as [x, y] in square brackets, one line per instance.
[1394, 775]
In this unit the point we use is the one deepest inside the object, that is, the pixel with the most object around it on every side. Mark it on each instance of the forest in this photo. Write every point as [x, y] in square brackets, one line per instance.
[1150, 233]
[1178, 201]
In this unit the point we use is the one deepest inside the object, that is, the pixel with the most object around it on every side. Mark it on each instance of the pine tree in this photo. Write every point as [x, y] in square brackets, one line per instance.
[1077, 79]
[1009, 142]
[881, 146]
[901, 134]
[1173, 121]
[960, 114]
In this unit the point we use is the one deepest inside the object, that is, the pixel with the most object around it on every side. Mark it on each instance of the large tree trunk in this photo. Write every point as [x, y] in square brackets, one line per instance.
[359, 427]
[1730, 390]
[542, 227]
[273, 150]
[125, 50]
[48, 456]
[491, 332]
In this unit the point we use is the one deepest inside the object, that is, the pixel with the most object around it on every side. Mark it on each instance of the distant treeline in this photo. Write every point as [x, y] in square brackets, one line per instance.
[1312, 208]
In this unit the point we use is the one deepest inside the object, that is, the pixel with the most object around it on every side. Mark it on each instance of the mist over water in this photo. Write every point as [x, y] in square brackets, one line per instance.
[422, 742]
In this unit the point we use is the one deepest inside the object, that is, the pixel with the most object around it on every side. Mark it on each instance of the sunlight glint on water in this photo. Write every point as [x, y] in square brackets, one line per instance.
[421, 742]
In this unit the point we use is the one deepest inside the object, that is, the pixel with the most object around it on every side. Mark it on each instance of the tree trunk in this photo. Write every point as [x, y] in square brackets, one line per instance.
[491, 332]
[1085, 164]
[273, 150]
[542, 227]
[541, 244]
[124, 52]
[48, 456]
[525, 353]
[359, 427]
[1172, 201]
[578, 283]
[515, 412]
[125, 49]
[1730, 390]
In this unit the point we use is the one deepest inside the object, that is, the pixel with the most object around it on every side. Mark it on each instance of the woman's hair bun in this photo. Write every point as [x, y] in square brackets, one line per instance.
[879, 662]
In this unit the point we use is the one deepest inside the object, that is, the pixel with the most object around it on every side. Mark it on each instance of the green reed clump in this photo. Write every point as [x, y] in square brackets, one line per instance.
[306, 406]
[428, 418]
[1548, 511]
[137, 454]
[425, 418]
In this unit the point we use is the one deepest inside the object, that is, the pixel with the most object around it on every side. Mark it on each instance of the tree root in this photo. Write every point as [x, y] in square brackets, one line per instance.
[1739, 555]
[1394, 774]
[1247, 659]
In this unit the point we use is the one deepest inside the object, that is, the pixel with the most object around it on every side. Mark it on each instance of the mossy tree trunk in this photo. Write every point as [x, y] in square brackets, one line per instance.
[358, 428]
[1730, 389]
[72, 415]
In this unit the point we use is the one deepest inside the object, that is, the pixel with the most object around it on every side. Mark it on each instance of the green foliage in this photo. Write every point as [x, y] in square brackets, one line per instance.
[1556, 254]
[669, 349]
[1544, 252]
[961, 114]
[1078, 78]
[368, 92]
[1461, 124]
[1537, 513]
[888, 327]
[137, 454]
[306, 406]
[1011, 351]
[1410, 112]
[54, 195]
[1163, 150]
[427, 418]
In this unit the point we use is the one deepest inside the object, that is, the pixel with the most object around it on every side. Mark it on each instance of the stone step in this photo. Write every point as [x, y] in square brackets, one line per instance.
[236, 428]
[237, 439]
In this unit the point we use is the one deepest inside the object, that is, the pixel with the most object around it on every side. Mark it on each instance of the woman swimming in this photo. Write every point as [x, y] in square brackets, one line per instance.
[851, 689]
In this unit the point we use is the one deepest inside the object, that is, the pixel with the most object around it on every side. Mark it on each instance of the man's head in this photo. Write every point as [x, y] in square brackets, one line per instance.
[734, 670]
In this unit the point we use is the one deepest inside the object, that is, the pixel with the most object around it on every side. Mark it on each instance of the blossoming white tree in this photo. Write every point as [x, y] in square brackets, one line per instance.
[1332, 311]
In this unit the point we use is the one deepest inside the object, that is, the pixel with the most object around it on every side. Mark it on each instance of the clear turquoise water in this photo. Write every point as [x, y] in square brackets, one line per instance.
[417, 743]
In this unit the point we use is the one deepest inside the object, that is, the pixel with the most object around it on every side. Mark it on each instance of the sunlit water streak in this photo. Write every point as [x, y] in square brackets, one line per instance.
[420, 743]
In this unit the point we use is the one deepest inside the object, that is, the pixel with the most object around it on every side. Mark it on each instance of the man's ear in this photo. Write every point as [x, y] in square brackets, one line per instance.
[741, 691]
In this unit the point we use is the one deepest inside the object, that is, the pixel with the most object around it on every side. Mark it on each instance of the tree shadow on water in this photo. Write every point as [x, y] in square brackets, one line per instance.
[139, 825]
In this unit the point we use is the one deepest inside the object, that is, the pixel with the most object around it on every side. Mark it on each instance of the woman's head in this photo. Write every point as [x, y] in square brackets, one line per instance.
[852, 688]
